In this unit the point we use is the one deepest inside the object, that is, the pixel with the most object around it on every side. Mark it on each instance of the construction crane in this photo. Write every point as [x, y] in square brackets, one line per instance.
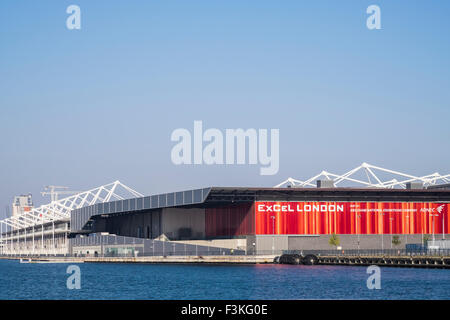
[53, 192]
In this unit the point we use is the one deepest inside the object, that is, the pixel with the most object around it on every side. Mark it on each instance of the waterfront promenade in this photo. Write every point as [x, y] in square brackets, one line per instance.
[441, 262]
[241, 259]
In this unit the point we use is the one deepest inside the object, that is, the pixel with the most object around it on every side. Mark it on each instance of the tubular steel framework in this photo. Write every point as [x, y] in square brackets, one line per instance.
[59, 210]
[372, 180]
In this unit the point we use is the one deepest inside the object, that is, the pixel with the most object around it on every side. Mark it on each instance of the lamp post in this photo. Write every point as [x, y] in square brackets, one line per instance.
[382, 231]
[42, 236]
[421, 223]
[390, 228]
[432, 221]
[273, 233]
[407, 229]
[358, 233]
[33, 238]
[334, 224]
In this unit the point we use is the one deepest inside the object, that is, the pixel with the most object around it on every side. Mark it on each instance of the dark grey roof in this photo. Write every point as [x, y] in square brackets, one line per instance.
[439, 186]
[79, 217]
[213, 196]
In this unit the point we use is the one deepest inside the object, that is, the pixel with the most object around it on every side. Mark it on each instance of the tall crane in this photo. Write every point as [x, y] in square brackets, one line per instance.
[53, 192]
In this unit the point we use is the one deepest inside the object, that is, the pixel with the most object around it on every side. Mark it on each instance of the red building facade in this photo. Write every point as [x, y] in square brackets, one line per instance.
[231, 220]
[286, 218]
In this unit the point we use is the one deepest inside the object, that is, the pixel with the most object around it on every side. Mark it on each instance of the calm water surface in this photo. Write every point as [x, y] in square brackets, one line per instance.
[190, 281]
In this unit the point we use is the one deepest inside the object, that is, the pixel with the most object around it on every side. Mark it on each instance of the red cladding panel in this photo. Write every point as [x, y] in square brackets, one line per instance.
[351, 217]
[230, 220]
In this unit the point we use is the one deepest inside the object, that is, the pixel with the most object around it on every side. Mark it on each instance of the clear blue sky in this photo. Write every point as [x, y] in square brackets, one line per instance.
[86, 107]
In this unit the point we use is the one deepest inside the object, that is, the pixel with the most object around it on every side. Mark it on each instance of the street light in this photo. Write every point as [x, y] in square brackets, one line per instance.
[358, 233]
[433, 215]
[422, 223]
[382, 231]
[273, 234]
[390, 228]
[407, 230]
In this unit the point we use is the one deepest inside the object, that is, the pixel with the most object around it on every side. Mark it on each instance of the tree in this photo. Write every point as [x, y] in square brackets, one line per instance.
[334, 240]
[396, 240]
[426, 238]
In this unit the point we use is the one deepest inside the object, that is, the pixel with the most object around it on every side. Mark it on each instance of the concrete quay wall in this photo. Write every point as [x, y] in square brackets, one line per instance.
[157, 259]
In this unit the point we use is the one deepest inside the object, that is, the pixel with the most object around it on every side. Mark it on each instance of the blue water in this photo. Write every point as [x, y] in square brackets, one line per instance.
[193, 281]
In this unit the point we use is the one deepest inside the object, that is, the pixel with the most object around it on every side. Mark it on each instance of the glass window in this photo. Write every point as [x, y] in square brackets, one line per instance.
[119, 206]
[188, 197]
[154, 202]
[170, 199]
[198, 195]
[179, 198]
[147, 203]
[139, 202]
[162, 200]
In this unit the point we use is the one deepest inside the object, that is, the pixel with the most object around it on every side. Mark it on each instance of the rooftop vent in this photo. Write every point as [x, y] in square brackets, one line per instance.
[325, 184]
[414, 185]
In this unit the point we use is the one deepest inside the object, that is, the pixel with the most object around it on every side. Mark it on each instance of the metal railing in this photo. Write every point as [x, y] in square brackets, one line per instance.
[227, 252]
[194, 253]
[373, 252]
